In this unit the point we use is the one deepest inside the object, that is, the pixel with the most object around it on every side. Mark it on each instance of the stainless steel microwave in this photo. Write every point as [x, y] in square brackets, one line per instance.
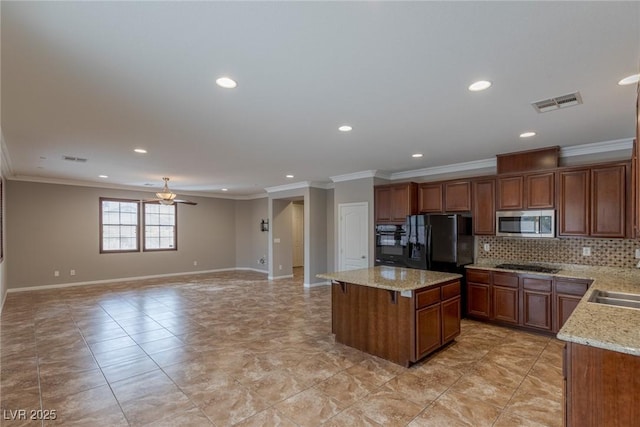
[526, 223]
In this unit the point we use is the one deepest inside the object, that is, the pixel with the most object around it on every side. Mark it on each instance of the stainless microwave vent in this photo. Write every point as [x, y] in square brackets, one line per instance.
[558, 102]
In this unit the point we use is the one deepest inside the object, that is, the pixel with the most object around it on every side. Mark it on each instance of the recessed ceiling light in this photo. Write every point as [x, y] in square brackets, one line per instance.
[103, 176]
[527, 134]
[417, 155]
[479, 85]
[226, 82]
[140, 151]
[289, 176]
[629, 80]
[225, 189]
[345, 128]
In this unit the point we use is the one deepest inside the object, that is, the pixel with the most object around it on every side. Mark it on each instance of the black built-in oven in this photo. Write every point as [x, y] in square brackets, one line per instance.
[391, 241]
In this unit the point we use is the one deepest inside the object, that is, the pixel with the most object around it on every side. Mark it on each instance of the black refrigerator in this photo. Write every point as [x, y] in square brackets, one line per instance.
[441, 243]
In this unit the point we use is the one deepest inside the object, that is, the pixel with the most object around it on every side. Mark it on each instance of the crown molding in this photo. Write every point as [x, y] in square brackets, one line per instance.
[299, 185]
[439, 170]
[360, 175]
[597, 147]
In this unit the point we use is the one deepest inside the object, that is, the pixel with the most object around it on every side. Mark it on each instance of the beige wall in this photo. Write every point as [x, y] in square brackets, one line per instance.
[251, 243]
[331, 244]
[3, 270]
[315, 225]
[357, 190]
[55, 227]
[281, 238]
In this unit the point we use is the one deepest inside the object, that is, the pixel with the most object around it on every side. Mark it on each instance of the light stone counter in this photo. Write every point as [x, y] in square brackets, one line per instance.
[391, 278]
[598, 325]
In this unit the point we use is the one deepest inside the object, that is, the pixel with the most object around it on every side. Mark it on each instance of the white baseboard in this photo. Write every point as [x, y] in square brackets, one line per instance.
[288, 276]
[123, 279]
[4, 298]
[257, 270]
[315, 285]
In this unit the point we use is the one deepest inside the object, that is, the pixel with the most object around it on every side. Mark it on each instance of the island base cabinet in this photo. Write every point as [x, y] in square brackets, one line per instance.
[392, 326]
[602, 387]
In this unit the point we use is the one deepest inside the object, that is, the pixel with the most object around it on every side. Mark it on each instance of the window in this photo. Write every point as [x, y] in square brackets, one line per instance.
[159, 227]
[119, 225]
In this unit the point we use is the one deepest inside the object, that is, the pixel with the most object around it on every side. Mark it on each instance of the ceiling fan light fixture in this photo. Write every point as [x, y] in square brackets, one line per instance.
[165, 202]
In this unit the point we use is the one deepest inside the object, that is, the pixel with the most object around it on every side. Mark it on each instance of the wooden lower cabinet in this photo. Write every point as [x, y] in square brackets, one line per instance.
[505, 304]
[398, 328]
[535, 302]
[478, 300]
[602, 387]
[428, 330]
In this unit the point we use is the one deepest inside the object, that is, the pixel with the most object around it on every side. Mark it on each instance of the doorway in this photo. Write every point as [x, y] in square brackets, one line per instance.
[297, 233]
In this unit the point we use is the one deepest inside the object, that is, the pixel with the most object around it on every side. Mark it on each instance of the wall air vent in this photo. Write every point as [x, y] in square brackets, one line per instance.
[74, 159]
[558, 102]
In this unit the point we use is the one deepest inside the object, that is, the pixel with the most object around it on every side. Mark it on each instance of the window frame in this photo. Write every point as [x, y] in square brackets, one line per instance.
[143, 236]
[100, 212]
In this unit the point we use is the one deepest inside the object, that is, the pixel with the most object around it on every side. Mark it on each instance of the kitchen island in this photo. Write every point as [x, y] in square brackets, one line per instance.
[398, 314]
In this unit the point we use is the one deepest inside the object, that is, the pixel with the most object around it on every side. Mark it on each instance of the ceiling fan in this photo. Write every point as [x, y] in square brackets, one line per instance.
[167, 197]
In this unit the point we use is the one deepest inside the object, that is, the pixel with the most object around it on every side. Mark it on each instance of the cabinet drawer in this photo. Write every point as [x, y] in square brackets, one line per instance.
[478, 276]
[570, 287]
[505, 279]
[450, 290]
[541, 285]
[427, 297]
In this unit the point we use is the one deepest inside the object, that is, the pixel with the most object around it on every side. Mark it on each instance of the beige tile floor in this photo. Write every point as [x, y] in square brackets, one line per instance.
[237, 349]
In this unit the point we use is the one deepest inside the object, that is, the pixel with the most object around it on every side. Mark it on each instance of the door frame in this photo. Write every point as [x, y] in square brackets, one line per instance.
[341, 206]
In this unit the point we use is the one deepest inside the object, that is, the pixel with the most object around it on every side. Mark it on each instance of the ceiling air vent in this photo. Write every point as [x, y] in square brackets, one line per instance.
[74, 159]
[558, 102]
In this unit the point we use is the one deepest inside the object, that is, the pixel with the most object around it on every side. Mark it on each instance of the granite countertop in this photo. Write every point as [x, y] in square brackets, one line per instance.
[391, 278]
[598, 325]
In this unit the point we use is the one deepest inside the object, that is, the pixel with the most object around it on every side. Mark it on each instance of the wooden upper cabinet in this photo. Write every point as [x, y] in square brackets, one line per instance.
[530, 191]
[484, 207]
[608, 194]
[457, 196]
[540, 191]
[510, 193]
[573, 202]
[393, 202]
[430, 198]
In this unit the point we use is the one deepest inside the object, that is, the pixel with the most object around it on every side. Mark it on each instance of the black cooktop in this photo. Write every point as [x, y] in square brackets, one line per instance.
[528, 267]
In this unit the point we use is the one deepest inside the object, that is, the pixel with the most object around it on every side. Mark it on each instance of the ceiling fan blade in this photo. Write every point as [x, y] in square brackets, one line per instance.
[185, 202]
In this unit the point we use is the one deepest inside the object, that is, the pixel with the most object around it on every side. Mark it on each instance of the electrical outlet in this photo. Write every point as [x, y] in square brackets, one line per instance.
[195, 263]
[276, 240]
[56, 273]
[487, 247]
[280, 267]
[72, 272]
[637, 253]
[586, 251]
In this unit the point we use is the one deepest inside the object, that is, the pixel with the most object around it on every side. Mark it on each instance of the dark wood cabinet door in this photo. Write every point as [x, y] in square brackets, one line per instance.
[451, 312]
[484, 207]
[478, 300]
[430, 198]
[608, 194]
[428, 330]
[505, 304]
[565, 304]
[402, 202]
[457, 196]
[510, 193]
[573, 202]
[382, 202]
[540, 191]
[536, 309]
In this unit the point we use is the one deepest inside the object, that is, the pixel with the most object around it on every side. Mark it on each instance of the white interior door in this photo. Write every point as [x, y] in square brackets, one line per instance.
[353, 236]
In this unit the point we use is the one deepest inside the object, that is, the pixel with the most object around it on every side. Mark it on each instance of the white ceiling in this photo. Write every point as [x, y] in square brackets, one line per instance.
[98, 79]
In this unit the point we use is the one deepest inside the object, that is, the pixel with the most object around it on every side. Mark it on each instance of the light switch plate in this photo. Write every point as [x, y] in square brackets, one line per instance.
[638, 253]
[487, 247]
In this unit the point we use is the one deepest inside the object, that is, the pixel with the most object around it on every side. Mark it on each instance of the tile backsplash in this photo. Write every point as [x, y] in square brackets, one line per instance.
[604, 252]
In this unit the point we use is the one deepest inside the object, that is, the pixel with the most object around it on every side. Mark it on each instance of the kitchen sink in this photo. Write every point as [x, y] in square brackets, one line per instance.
[619, 299]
